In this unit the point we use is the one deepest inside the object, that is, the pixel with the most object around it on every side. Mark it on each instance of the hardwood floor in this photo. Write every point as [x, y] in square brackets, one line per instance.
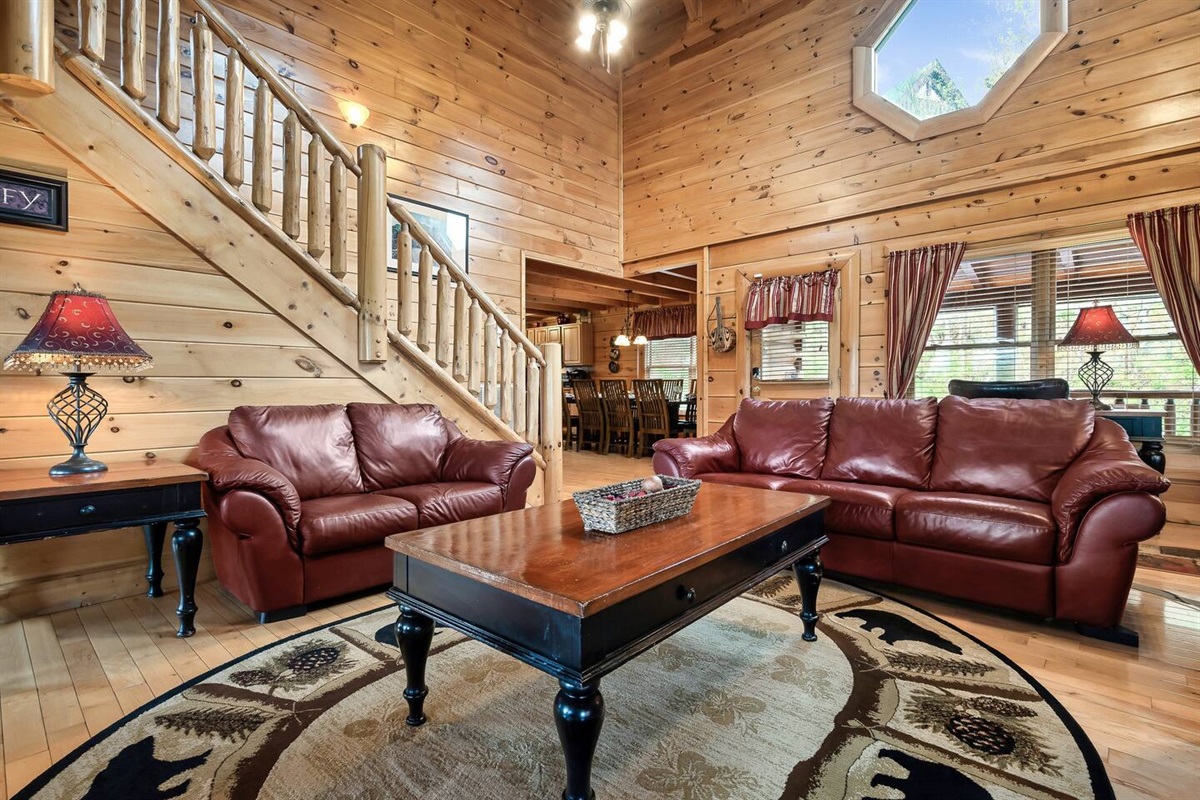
[67, 676]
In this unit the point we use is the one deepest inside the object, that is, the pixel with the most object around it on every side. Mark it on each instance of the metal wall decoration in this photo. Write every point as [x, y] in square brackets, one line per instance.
[450, 229]
[720, 337]
[33, 200]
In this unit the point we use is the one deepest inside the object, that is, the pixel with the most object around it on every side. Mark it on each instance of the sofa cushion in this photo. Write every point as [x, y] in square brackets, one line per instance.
[886, 442]
[439, 503]
[1011, 448]
[859, 509]
[398, 445]
[782, 437]
[330, 524]
[746, 479]
[978, 525]
[311, 446]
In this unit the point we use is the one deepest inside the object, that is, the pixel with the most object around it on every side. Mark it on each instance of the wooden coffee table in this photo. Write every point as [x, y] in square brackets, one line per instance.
[577, 605]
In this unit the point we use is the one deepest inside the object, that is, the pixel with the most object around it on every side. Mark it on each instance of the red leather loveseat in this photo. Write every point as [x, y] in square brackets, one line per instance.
[1033, 505]
[300, 498]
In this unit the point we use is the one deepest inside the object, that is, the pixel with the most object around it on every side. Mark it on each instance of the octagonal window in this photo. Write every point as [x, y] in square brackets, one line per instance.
[930, 66]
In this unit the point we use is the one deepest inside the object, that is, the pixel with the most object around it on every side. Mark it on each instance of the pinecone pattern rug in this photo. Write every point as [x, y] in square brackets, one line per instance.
[889, 703]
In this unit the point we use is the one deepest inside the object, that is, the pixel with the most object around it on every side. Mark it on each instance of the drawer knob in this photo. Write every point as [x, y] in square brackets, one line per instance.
[88, 509]
[784, 546]
[687, 594]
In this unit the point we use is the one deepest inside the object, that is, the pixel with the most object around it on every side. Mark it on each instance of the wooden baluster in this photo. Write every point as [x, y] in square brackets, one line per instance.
[204, 133]
[491, 392]
[444, 349]
[404, 281]
[506, 379]
[133, 48]
[534, 401]
[462, 332]
[93, 19]
[291, 175]
[339, 216]
[316, 197]
[1169, 419]
[233, 148]
[372, 254]
[168, 64]
[520, 376]
[260, 159]
[1144, 404]
[424, 299]
[475, 366]
[550, 434]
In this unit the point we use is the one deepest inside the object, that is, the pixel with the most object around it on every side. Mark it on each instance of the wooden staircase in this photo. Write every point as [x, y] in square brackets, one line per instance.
[174, 145]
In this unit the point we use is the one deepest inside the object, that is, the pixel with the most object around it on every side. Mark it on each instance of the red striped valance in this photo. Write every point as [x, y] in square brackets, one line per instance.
[666, 322]
[792, 298]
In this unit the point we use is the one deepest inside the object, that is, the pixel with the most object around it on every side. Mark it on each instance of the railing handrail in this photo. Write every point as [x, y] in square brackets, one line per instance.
[283, 93]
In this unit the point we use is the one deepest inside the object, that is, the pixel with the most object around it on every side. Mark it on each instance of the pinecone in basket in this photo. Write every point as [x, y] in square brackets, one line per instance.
[981, 734]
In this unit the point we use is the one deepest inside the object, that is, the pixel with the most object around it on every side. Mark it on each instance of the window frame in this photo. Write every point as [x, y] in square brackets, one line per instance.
[864, 68]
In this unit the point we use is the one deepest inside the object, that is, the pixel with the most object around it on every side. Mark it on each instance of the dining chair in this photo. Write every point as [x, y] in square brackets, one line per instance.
[687, 427]
[570, 420]
[591, 414]
[653, 411]
[692, 391]
[673, 389]
[618, 417]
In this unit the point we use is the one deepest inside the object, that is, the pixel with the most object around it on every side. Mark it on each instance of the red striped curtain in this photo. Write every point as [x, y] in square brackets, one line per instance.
[666, 322]
[916, 286]
[1170, 242]
[791, 298]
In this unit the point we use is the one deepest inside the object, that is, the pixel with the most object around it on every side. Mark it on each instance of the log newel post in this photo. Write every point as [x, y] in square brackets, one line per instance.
[550, 433]
[27, 46]
[372, 254]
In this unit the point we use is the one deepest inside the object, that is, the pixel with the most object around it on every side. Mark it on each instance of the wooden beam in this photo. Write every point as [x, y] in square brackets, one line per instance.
[694, 9]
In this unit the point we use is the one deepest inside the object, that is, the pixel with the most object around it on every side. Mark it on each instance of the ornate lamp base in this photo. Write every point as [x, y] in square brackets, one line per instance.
[77, 411]
[1095, 375]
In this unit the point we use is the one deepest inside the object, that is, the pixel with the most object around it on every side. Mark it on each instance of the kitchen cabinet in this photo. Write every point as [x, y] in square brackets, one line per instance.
[576, 339]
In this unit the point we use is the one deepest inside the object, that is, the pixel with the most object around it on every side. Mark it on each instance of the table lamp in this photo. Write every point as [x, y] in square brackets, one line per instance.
[1097, 329]
[78, 336]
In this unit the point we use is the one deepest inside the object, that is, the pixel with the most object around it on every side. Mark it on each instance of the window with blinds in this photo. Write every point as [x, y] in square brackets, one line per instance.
[671, 359]
[1003, 317]
[797, 351]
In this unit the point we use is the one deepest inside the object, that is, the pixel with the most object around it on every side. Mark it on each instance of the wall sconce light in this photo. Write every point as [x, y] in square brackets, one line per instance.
[354, 113]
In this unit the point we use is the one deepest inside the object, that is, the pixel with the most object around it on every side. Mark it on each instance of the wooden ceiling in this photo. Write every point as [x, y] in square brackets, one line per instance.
[552, 289]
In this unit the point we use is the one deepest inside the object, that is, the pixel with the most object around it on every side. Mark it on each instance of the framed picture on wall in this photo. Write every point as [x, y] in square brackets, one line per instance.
[448, 228]
[33, 200]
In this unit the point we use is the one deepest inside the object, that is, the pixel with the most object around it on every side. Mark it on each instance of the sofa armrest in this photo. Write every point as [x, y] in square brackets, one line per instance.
[1108, 466]
[690, 457]
[229, 470]
[482, 460]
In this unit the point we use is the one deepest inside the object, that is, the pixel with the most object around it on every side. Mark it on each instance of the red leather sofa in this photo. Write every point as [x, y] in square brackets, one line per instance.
[300, 498]
[1032, 505]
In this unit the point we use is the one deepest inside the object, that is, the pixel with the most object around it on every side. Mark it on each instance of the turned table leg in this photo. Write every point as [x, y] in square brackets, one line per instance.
[185, 545]
[578, 715]
[808, 575]
[156, 534]
[414, 633]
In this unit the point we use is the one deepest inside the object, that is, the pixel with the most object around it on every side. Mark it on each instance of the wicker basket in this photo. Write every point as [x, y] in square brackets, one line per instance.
[618, 516]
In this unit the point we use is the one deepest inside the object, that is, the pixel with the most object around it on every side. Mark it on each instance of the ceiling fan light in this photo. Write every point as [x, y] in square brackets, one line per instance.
[617, 31]
[584, 42]
[587, 24]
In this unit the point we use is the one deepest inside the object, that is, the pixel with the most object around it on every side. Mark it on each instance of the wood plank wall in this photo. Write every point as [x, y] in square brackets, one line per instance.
[746, 141]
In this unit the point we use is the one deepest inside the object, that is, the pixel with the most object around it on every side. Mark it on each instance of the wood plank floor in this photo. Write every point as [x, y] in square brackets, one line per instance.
[66, 676]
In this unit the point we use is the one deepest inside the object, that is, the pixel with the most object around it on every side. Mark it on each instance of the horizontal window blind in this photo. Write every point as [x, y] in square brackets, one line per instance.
[797, 351]
[671, 359]
[1003, 317]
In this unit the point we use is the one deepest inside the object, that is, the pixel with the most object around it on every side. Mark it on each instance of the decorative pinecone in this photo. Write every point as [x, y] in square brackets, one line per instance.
[1000, 707]
[313, 660]
[981, 734]
[252, 677]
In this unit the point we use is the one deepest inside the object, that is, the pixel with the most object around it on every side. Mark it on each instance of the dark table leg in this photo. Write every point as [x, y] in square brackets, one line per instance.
[578, 715]
[185, 545]
[1152, 454]
[414, 633]
[156, 534]
[808, 575]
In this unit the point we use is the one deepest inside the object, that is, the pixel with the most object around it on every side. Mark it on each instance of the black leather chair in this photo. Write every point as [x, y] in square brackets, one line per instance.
[1045, 389]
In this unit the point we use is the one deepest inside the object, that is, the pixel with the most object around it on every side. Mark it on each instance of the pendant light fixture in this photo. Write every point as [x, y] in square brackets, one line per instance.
[603, 27]
[623, 339]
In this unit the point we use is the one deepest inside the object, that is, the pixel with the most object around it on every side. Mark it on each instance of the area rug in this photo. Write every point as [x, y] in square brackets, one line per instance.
[890, 702]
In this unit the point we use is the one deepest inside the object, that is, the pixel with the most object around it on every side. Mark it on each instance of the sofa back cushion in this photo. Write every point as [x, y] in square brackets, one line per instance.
[399, 445]
[882, 442]
[311, 446]
[1010, 448]
[782, 437]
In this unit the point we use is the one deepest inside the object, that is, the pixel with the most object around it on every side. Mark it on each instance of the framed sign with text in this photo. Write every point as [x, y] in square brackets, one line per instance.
[33, 200]
[448, 228]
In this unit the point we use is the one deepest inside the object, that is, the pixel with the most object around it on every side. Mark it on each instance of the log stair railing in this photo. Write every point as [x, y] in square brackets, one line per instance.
[444, 324]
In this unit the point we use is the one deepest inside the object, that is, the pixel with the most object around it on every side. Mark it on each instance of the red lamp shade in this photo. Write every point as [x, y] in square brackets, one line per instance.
[1097, 328]
[78, 332]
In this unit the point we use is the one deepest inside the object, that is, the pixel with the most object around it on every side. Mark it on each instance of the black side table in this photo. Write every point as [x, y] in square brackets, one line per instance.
[152, 494]
[1145, 428]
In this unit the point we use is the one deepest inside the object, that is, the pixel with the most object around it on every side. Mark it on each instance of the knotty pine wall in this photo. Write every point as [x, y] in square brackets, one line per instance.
[214, 348]
[746, 142]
